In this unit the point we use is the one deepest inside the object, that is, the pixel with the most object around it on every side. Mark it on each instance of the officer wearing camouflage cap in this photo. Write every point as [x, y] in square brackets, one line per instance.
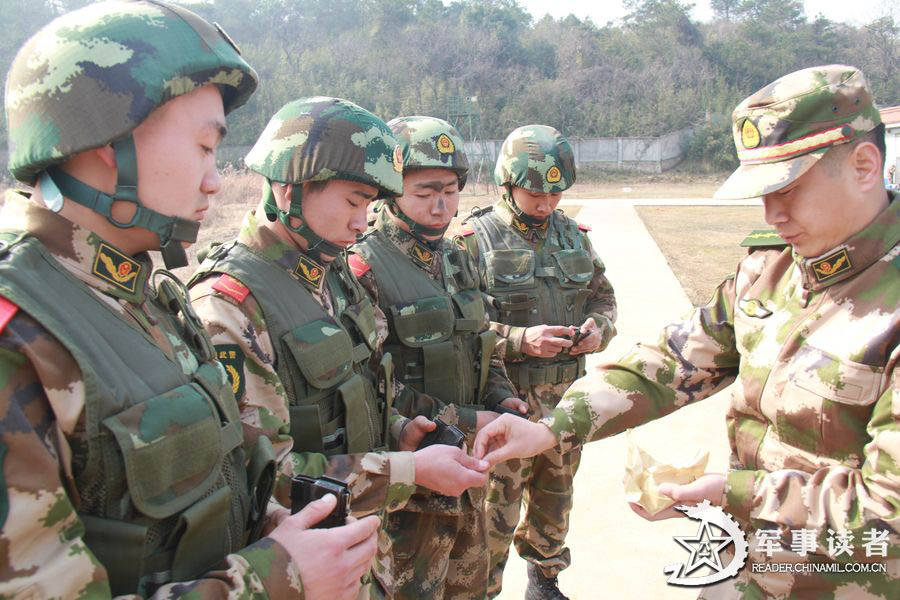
[300, 338]
[807, 329]
[438, 335]
[123, 468]
[546, 284]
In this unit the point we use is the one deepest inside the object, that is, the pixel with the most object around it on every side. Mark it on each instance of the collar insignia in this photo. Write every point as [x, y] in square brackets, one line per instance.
[832, 266]
[117, 268]
[422, 255]
[310, 271]
[526, 229]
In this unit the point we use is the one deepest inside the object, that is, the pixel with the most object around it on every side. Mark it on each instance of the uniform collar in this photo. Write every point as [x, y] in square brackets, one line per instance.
[529, 232]
[86, 255]
[290, 258]
[856, 254]
[425, 256]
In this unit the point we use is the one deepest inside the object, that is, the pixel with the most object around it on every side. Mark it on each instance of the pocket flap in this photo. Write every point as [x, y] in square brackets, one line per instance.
[363, 317]
[424, 322]
[510, 267]
[836, 379]
[575, 265]
[471, 305]
[322, 350]
[172, 449]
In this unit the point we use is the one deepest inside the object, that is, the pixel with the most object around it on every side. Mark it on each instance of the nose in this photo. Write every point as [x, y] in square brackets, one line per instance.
[774, 209]
[439, 207]
[212, 182]
[358, 220]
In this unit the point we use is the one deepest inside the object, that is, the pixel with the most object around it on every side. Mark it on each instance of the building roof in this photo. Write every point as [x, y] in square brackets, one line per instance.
[890, 116]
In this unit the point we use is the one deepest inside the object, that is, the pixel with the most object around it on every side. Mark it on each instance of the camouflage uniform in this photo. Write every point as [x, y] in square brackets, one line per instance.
[439, 338]
[123, 470]
[811, 345]
[541, 273]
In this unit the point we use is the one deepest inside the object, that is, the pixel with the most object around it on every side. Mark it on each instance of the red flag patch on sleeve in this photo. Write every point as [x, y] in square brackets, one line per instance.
[7, 311]
[358, 265]
[231, 287]
[467, 232]
[584, 227]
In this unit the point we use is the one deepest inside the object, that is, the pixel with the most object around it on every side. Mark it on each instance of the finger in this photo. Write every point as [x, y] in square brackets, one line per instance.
[360, 531]
[499, 454]
[359, 557]
[472, 463]
[557, 341]
[559, 330]
[485, 437]
[314, 512]
[425, 423]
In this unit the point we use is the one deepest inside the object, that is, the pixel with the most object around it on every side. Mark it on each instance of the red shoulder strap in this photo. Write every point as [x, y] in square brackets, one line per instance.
[8, 310]
[231, 287]
[358, 265]
[467, 232]
[584, 227]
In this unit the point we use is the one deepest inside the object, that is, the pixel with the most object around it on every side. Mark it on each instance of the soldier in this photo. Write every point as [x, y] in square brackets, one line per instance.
[123, 470]
[808, 330]
[299, 336]
[438, 335]
[547, 285]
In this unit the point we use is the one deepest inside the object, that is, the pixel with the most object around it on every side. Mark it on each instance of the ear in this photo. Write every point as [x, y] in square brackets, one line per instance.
[282, 192]
[106, 154]
[865, 162]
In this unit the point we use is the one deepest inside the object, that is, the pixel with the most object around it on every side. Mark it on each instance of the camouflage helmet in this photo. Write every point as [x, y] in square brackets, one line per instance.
[782, 130]
[430, 143]
[319, 139]
[91, 76]
[537, 158]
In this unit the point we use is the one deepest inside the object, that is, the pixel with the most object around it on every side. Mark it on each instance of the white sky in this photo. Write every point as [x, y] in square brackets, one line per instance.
[601, 11]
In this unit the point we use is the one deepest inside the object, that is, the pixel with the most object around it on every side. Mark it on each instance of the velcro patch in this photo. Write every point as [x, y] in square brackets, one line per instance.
[584, 227]
[231, 287]
[358, 265]
[8, 310]
[232, 358]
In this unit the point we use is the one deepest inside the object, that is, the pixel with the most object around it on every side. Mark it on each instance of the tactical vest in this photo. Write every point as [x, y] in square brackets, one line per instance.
[322, 362]
[160, 484]
[547, 285]
[435, 335]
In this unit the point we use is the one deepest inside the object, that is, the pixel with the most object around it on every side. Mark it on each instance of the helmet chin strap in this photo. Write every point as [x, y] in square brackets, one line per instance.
[416, 229]
[521, 214]
[320, 249]
[171, 230]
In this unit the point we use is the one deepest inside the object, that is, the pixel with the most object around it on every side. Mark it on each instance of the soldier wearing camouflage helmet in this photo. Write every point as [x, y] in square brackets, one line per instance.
[123, 467]
[547, 284]
[300, 337]
[439, 337]
[807, 329]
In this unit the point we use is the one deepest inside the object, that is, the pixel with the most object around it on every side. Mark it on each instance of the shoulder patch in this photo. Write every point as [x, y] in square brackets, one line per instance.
[584, 227]
[467, 231]
[231, 287]
[8, 310]
[358, 265]
[763, 237]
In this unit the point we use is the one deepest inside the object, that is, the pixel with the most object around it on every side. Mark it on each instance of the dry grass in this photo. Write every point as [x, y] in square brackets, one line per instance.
[701, 243]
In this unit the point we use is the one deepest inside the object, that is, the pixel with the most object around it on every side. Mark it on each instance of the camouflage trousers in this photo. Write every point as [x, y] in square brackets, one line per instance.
[437, 553]
[544, 483]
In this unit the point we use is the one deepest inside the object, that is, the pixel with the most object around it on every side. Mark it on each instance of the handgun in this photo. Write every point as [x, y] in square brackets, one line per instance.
[449, 435]
[309, 489]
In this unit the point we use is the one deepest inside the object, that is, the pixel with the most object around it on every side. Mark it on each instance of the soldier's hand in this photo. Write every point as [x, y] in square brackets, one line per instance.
[448, 470]
[593, 337]
[330, 561]
[546, 341]
[710, 486]
[509, 437]
[413, 432]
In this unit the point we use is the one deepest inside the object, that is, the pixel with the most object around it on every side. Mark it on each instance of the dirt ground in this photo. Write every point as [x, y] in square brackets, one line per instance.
[701, 243]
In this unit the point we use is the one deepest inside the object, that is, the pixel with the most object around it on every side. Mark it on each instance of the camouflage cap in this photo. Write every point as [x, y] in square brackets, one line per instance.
[321, 138]
[91, 76]
[537, 158]
[428, 142]
[782, 130]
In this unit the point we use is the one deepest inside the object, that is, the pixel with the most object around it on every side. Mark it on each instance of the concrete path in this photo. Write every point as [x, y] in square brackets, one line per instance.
[615, 553]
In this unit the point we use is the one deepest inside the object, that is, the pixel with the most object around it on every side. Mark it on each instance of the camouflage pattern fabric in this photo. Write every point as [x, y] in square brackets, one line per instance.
[42, 437]
[430, 143]
[438, 542]
[544, 481]
[317, 139]
[786, 127]
[537, 158]
[376, 480]
[93, 75]
[814, 425]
